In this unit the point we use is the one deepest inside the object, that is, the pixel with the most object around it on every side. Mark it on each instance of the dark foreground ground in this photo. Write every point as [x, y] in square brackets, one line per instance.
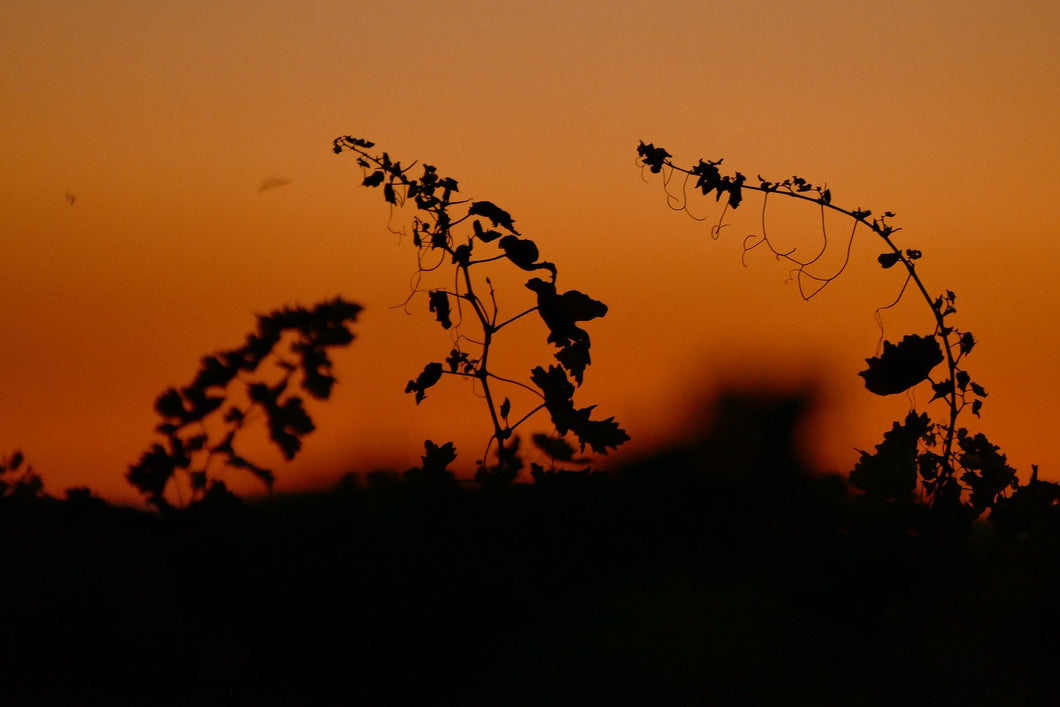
[663, 585]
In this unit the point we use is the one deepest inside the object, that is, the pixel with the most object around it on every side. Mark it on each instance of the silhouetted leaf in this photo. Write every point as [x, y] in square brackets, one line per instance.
[439, 304]
[988, 474]
[374, 179]
[170, 404]
[459, 360]
[654, 157]
[555, 447]
[287, 424]
[902, 366]
[482, 235]
[967, 342]
[506, 407]
[215, 373]
[462, 255]
[891, 473]
[431, 374]
[521, 251]
[941, 389]
[264, 475]
[558, 393]
[432, 472]
[888, 260]
[496, 215]
[560, 312]
[574, 356]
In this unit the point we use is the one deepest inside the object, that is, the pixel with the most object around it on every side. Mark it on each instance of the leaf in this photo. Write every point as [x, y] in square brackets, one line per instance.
[891, 472]
[496, 215]
[574, 356]
[942, 389]
[457, 359]
[438, 456]
[558, 393]
[431, 374]
[555, 447]
[506, 407]
[888, 260]
[264, 475]
[600, 434]
[654, 157]
[287, 424]
[374, 179]
[439, 304]
[561, 312]
[987, 471]
[484, 236]
[170, 404]
[521, 251]
[735, 189]
[902, 366]
[967, 342]
[462, 255]
[215, 373]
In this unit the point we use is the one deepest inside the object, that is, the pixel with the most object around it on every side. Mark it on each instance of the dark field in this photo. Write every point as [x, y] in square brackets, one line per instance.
[660, 584]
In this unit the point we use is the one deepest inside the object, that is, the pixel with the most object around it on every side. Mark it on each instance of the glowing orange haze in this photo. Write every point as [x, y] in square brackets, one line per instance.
[164, 124]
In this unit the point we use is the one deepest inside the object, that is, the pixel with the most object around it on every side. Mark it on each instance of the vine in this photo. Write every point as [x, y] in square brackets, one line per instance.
[468, 235]
[950, 463]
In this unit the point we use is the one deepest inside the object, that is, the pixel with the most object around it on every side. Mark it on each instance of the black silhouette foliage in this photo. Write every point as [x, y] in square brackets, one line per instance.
[433, 471]
[891, 473]
[439, 303]
[431, 374]
[18, 481]
[187, 446]
[902, 365]
[492, 237]
[962, 474]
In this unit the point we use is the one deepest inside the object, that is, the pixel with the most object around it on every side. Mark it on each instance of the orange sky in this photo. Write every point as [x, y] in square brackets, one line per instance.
[165, 118]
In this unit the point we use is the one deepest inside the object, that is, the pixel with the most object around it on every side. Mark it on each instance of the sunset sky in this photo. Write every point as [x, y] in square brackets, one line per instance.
[164, 120]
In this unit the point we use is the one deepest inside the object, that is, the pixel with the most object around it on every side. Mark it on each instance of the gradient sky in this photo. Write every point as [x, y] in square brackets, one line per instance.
[164, 119]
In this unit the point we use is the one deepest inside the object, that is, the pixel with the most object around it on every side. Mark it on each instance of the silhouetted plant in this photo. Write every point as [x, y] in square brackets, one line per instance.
[189, 448]
[489, 235]
[958, 471]
[18, 480]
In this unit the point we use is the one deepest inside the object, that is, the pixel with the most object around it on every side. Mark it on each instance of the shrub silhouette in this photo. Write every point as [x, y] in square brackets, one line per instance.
[189, 448]
[489, 235]
[961, 475]
[18, 481]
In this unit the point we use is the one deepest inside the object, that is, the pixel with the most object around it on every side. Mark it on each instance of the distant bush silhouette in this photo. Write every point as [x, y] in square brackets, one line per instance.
[961, 474]
[18, 480]
[189, 448]
[490, 235]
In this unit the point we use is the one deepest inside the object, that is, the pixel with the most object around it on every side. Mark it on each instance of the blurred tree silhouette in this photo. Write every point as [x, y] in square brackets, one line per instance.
[188, 447]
